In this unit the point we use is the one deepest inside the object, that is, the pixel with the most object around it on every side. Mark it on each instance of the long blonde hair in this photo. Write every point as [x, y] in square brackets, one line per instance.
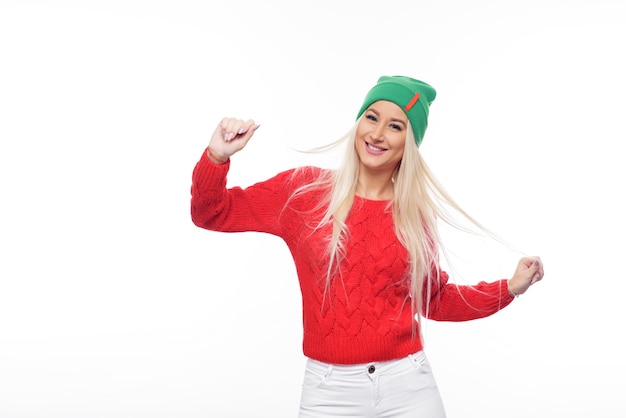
[419, 202]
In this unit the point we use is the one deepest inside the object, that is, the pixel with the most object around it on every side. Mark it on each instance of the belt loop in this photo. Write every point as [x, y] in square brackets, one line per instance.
[415, 358]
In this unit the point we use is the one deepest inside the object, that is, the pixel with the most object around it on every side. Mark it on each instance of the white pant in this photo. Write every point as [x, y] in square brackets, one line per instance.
[403, 388]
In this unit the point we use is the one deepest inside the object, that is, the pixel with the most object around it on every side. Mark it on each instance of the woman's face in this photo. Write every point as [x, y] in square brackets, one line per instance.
[380, 136]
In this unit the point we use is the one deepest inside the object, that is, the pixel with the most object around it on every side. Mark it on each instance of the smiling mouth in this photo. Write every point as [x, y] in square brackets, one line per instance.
[374, 148]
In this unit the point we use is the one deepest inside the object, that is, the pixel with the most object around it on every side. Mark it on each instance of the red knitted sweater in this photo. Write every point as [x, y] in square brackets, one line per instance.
[365, 315]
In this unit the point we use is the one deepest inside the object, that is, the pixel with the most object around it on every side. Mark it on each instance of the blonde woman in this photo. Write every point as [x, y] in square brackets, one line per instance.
[365, 243]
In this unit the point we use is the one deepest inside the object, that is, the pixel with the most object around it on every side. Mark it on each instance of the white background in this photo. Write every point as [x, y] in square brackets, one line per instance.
[113, 304]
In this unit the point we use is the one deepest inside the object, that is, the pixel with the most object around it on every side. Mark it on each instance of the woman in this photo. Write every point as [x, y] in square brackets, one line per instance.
[365, 244]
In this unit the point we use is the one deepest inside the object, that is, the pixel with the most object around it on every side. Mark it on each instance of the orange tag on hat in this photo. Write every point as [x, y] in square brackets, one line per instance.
[412, 102]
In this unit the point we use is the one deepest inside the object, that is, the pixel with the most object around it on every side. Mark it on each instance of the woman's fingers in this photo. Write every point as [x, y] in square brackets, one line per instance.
[233, 128]
[230, 136]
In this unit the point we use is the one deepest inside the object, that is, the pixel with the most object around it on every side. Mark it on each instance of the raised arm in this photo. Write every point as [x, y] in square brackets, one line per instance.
[215, 207]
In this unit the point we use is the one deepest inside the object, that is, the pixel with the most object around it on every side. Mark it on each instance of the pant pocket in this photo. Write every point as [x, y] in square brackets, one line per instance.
[420, 362]
[316, 375]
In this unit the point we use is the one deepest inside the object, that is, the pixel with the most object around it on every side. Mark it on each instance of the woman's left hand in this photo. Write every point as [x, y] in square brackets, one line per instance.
[528, 272]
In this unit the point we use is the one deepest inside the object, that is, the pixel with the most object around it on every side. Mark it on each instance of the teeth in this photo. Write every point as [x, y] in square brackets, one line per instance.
[375, 148]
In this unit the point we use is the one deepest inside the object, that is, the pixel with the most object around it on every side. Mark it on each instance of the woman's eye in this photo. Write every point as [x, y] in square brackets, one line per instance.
[396, 127]
[371, 117]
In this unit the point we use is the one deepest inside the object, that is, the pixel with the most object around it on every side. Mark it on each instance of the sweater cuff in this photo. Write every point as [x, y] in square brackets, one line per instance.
[206, 160]
[505, 296]
[208, 175]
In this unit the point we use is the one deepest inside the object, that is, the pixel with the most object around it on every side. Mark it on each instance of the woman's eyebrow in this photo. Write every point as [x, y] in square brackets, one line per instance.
[399, 120]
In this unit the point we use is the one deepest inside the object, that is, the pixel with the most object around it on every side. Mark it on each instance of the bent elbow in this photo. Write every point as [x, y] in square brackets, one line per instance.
[201, 217]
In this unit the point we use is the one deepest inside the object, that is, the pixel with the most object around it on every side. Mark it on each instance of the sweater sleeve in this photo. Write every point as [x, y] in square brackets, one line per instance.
[453, 302]
[256, 208]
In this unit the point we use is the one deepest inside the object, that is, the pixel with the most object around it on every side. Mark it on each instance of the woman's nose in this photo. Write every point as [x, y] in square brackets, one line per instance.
[378, 134]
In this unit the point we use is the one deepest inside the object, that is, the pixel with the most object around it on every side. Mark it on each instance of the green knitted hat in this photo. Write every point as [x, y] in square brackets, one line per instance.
[413, 96]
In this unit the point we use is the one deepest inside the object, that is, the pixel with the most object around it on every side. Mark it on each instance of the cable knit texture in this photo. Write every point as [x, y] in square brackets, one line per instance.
[366, 313]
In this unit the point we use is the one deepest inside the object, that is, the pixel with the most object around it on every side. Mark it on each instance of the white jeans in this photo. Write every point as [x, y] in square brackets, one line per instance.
[403, 388]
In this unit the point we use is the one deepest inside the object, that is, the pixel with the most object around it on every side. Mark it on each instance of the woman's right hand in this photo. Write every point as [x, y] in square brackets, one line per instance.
[229, 137]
